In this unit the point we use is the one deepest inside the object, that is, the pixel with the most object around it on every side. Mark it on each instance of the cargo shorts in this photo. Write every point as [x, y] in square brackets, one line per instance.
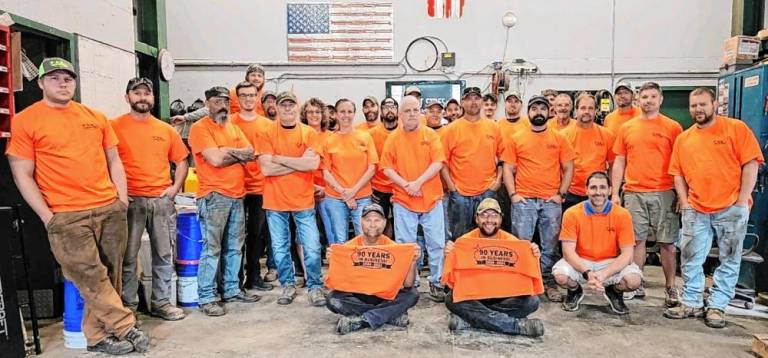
[654, 213]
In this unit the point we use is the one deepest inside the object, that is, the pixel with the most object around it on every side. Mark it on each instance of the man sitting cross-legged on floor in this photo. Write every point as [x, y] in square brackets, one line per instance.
[371, 277]
[598, 243]
[494, 278]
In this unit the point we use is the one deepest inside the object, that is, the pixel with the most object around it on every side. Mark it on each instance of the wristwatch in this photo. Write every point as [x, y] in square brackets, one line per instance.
[562, 195]
[585, 274]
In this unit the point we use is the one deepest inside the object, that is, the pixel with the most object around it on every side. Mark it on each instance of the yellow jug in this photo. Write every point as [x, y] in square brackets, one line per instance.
[191, 183]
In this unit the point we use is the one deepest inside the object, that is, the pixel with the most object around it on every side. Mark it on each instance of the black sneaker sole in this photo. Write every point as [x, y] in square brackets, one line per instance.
[575, 308]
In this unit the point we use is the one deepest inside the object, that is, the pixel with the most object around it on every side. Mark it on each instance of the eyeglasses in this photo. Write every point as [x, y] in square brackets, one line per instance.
[389, 106]
[219, 101]
[287, 105]
[489, 215]
[313, 111]
[247, 95]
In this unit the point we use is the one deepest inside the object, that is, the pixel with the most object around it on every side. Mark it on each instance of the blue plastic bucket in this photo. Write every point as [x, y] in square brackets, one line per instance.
[73, 317]
[189, 244]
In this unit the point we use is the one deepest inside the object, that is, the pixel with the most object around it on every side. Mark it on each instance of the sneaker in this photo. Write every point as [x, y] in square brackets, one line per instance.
[242, 297]
[258, 285]
[615, 300]
[316, 297]
[628, 296]
[212, 309]
[436, 293]
[168, 312]
[349, 324]
[456, 323]
[111, 345]
[286, 298]
[683, 311]
[715, 318]
[640, 291]
[271, 275]
[400, 321]
[139, 339]
[530, 327]
[671, 297]
[572, 299]
[553, 294]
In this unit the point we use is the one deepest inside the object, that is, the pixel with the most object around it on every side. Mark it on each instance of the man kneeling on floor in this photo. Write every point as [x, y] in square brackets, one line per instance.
[371, 277]
[593, 232]
[494, 278]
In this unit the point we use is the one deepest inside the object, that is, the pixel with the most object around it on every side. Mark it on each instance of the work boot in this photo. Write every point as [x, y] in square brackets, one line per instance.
[139, 339]
[715, 318]
[212, 309]
[436, 293]
[573, 298]
[168, 312]
[287, 296]
[400, 321]
[316, 297]
[111, 345]
[615, 300]
[531, 327]
[258, 285]
[553, 294]
[456, 323]
[350, 324]
[271, 275]
[683, 311]
[242, 297]
[671, 297]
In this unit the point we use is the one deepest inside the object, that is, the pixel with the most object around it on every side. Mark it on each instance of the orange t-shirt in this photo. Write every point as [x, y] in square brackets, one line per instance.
[234, 104]
[537, 158]
[147, 146]
[294, 191]
[647, 146]
[365, 125]
[377, 270]
[317, 175]
[598, 236]
[410, 154]
[710, 161]
[476, 266]
[508, 129]
[472, 150]
[617, 118]
[252, 129]
[347, 157]
[593, 150]
[555, 123]
[228, 181]
[68, 147]
[380, 181]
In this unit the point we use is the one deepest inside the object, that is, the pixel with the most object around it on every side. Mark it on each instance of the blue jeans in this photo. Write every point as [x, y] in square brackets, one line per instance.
[500, 315]
[308, 237]
[341, 214]
[729, 226]
[325, 217]
[461, 212]
[406, 226]
[222, 224]
[546, 216]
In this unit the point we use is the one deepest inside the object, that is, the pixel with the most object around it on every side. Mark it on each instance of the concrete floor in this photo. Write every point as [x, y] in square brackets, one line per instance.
[265, 329]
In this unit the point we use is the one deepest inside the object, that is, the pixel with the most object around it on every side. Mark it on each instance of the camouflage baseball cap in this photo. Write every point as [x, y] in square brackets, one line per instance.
[52, 64]
[488, 204]
[286, 96]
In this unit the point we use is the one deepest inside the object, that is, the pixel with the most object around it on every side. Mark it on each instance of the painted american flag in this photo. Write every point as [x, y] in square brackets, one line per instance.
[340, 32]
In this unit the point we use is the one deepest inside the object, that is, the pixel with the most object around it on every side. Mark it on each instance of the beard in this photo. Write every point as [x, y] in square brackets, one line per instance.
[221, 115]
[372, 116]
[492, 231]
[707, 119]
[271, 111]
[389, 117]
[538, 120]
[141, 107]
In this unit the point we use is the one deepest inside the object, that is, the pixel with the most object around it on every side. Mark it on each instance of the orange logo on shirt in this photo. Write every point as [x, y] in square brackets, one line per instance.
[719, 141]
[599, 143]
[158, 138]
[495, 256]
[90, 126]
[369, 257]
[657, 135]
[425, 142]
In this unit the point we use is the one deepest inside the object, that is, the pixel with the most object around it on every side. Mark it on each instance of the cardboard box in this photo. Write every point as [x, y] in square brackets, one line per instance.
[760, 345]
[740, 49]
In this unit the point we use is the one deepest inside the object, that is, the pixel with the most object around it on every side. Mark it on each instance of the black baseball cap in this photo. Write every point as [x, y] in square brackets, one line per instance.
[388, 100]
[454, 101]
[135, 82]
[472, 90]
[52, 64]
[375, 208]
[216, 91]
[267, 94]
[538, 99]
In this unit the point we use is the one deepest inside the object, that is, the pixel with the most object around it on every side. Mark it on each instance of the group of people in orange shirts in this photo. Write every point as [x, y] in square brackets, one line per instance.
[452, 185]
